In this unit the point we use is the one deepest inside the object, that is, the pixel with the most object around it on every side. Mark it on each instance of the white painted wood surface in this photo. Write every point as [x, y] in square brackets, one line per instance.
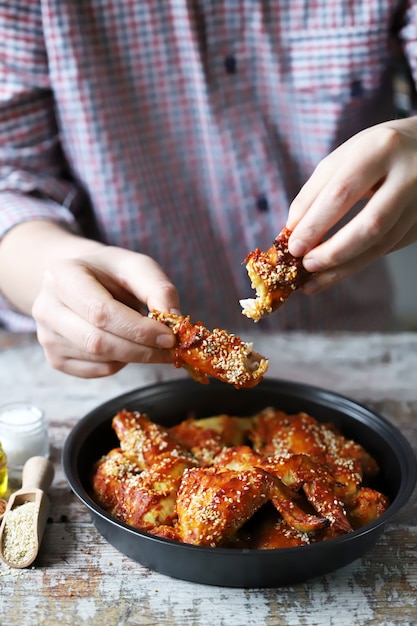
[80, 579]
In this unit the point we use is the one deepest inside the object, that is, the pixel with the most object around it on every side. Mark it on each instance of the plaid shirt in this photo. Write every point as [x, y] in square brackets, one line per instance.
[186, 128]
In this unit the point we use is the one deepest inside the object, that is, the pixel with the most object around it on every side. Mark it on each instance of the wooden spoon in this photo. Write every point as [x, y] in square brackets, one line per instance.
[37, 476]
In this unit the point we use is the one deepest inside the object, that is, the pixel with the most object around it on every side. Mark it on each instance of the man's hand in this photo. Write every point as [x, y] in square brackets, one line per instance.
[377, 166]
[89, 300]
[88, 313]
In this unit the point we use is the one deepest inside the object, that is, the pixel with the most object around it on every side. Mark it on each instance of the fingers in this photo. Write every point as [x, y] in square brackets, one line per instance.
[79, 337]
[86, 369]
[327, 278]
[78, 348]
[110, 294]
[142, 277]
[94, 309]
[338, 183]
[88, 316]
[354, 247]
[81, 349]
[369, 234]
[378, 167]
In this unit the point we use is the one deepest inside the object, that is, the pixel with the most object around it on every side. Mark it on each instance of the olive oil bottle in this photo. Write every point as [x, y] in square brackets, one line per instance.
[4, 478]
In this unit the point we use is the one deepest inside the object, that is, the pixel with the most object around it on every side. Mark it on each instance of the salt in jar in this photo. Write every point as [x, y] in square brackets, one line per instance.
[23, 434]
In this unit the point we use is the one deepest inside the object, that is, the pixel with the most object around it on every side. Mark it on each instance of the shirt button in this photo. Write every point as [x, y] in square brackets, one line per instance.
[230, 64]
[356, 89]
[262, 204]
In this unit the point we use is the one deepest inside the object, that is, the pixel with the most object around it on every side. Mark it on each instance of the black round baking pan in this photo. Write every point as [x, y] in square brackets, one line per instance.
[170, 402]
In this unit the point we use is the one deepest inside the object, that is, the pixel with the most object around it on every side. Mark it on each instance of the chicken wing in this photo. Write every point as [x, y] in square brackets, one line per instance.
[214, 503]
[143, 441]
[205, 438]
[301, 475]
[276, 433]
[214, 353]
[275, 275]
[143, 499]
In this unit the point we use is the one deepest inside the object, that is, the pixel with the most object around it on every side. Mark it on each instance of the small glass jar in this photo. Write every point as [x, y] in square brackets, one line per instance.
[23, 434]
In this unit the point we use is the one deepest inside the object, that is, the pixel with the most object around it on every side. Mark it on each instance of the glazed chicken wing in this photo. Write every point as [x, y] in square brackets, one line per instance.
[275, 433]
[143, 441]
[275, 275]
[109, 478]
[213, 504]
[299, 474]
[142, 499]
[214, 353]
[138, 482]
[366, 506]
[274, 532]
[206, 437]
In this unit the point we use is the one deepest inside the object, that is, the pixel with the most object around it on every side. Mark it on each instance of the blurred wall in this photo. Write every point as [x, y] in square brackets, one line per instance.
[403, 264]
[403, 268]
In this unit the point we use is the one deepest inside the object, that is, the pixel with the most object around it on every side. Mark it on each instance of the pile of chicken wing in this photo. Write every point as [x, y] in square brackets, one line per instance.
[271, 480]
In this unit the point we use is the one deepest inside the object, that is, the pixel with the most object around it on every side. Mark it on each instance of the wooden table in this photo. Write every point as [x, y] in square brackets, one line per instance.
[78, 578]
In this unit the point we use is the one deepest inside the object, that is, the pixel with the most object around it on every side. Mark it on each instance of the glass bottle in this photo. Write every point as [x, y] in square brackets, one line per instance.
[4, 478]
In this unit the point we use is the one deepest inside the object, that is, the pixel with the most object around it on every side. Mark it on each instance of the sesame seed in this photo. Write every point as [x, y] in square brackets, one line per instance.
[19, 533]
